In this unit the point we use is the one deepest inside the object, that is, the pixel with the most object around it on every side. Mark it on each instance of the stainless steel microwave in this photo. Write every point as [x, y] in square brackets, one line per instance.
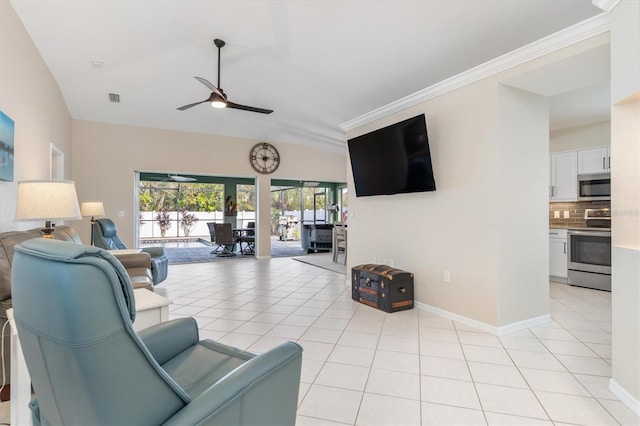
[595, 186]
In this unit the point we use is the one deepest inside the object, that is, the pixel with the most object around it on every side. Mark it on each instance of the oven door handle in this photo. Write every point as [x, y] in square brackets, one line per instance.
[591, 233]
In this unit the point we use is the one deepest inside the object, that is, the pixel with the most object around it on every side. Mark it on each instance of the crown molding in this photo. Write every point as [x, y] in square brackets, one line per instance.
[563, 38]
[606, 5]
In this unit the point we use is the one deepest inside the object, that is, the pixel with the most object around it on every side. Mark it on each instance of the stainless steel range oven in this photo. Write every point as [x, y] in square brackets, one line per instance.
[589, 258]
[589, 251]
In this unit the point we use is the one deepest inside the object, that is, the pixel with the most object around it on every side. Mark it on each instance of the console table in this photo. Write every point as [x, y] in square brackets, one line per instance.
[151, 308]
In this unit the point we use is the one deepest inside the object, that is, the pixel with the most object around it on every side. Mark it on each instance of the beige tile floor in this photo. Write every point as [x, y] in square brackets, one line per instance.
[365, 367]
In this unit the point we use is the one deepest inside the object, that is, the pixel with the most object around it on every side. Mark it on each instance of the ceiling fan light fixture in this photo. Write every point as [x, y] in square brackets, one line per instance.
[218, 101]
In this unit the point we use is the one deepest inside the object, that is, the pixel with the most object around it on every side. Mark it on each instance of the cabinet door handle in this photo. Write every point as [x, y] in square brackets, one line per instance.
[609, 162]
[604, 167]
[565, 248]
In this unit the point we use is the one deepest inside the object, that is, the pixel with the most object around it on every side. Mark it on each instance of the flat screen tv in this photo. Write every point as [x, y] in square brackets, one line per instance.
[392, 160]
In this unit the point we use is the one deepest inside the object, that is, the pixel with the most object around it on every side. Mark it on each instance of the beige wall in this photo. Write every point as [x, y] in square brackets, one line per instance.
[31, 98]
[588, 136]
[487, 223]
[625, 201]
[420, 232]
[106, 157]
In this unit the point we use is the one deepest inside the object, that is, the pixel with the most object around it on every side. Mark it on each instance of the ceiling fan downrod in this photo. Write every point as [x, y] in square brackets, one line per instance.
[219, 44]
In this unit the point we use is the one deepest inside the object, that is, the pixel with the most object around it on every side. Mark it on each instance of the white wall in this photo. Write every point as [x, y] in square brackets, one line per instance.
[625, 202]
[587, 136]
[625, 45]
[522, 149]
[31, 98]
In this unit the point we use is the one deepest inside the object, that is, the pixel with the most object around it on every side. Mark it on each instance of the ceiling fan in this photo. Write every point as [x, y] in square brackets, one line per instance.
[178, 178]
[218, 98]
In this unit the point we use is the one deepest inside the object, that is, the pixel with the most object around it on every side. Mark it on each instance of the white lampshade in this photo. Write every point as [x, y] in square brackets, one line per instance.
[47, 200]
[92, 209]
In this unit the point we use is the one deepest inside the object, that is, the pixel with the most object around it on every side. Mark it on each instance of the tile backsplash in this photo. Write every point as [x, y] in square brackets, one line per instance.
[576, 212]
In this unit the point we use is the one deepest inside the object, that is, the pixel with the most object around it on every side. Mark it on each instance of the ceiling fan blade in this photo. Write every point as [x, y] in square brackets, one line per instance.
[178, 178]
[210, 86]
[182, 108]
[248, 108]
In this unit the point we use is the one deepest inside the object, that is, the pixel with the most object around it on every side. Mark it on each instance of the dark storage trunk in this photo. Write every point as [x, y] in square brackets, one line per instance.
[382, 287]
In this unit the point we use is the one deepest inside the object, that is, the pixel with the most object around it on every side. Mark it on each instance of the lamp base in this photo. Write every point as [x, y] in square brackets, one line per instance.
[47, 231]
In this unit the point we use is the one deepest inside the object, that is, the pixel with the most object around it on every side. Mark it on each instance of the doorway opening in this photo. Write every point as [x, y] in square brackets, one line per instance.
[174, 211]
[298, 209]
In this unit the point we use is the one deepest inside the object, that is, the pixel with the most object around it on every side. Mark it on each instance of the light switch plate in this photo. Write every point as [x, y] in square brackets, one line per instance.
[120, 213]
[556, 214]
[566, 214]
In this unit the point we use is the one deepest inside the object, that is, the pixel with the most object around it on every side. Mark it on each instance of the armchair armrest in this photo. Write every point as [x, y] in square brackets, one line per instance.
[168, 339]
[154, 251]
[263, 390]
[133, 260]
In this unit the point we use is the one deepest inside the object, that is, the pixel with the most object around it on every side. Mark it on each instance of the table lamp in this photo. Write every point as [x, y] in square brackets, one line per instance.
[92, 209]
[47, 200]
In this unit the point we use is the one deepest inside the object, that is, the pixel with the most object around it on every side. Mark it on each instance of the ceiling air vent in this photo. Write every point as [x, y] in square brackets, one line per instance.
[114, 97]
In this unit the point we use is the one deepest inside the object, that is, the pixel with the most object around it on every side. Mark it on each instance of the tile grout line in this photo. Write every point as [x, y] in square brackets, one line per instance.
[573, 374]
[466, 361]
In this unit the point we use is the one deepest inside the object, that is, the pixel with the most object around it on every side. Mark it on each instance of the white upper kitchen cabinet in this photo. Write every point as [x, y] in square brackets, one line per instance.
[564, 176]
[594, 160]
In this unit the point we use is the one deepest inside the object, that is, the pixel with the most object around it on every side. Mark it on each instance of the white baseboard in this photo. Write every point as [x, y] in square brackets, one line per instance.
[562, 280]
[624, 396]
[497, 331]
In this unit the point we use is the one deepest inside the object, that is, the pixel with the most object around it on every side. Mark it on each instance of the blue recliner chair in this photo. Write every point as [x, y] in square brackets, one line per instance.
[74, 308]
[106, 237]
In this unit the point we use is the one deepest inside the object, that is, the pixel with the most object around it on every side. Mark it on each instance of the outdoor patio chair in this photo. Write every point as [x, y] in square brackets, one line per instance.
[222, 236]
[249, 238]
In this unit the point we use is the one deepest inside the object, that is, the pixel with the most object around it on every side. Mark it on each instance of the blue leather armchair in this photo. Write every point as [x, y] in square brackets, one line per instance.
[106, 237]
[74, 308]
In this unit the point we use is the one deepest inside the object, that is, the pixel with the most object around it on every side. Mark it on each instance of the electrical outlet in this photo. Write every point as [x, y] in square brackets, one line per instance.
[120, 213]
[566, 214]
[447, 276]
[556, 214]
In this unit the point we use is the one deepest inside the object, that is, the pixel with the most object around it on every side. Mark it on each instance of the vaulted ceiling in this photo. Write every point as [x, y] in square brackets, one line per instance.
[317, 64]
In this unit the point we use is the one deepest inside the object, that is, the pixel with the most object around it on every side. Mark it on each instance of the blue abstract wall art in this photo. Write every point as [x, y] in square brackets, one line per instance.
[6, 147]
